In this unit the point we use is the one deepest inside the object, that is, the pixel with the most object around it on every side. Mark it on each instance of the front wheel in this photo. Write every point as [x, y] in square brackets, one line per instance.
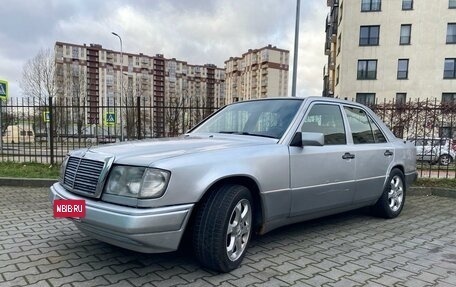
[392, 201]
[223, 227]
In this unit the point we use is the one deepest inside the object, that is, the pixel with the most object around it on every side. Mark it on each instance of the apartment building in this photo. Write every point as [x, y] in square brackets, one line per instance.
[94, 77]
[258, 73]
[391, 50]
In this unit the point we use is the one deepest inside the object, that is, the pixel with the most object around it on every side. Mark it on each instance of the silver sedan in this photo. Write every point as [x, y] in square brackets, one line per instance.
[249, 168]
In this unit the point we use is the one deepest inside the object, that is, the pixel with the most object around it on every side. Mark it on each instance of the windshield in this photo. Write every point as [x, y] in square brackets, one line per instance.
[268, 118]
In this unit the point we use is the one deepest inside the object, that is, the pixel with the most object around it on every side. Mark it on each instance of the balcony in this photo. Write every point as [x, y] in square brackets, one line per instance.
[332, 3]
[92, 53]
[327, 47]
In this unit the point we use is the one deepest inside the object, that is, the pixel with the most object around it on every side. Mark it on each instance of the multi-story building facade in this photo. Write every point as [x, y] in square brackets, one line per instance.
[93, 77]
[259, 73]
[391, 50]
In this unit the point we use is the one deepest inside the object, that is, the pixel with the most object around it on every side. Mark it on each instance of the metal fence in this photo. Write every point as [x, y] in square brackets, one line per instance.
[430, 125]
[44, 131]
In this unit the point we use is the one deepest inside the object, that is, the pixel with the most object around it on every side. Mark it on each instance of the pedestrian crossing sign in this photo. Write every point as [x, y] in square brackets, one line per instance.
[3, 90]
[46, 117]
[110, 119]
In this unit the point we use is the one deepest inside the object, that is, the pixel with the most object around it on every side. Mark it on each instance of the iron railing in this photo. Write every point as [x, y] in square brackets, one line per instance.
[44, 131]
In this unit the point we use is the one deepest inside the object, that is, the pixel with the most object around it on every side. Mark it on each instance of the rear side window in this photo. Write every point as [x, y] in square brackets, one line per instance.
[364, 130]
[326, 119]
[379, 137]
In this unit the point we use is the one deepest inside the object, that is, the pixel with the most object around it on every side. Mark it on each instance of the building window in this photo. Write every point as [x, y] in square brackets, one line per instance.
[448, 98]
[367, 69]
[365, 98]
[371, 5]
[402, 69]
[406, 31]
[75, 53]
[407, 4]
[451, 33]
[369, 35]
[401, 99]
[449, 71]
[452, 4]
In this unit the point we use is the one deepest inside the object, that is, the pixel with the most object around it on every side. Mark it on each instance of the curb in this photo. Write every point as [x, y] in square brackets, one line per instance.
[427, 191]
[27, 182]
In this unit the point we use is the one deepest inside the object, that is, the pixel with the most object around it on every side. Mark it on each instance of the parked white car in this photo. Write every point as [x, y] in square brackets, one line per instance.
[434, 150]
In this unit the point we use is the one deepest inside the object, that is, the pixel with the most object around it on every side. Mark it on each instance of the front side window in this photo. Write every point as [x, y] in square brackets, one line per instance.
[402, 69]
[367, 69]
[371, 5]
[369, 35]
[364, 130]
[326, 119]
[407, 4]
[406, 32]
[451, 33]
[366, 99]
[449, 71]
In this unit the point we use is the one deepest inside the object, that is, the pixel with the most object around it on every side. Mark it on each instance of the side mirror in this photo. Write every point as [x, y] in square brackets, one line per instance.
[308, 139]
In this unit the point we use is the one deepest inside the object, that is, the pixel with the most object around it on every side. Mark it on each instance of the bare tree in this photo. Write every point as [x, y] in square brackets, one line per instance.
[38, 76]
[174, 115]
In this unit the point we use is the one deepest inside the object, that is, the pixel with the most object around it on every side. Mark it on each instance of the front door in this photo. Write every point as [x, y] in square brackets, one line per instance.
[322, 177]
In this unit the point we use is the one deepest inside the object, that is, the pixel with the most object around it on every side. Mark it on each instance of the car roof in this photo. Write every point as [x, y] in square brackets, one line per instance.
[312, 98]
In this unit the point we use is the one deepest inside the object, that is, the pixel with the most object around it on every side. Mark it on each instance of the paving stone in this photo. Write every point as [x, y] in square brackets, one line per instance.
[350, 249]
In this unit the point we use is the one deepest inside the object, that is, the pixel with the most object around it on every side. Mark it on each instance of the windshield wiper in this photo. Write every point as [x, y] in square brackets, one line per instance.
[246, 134]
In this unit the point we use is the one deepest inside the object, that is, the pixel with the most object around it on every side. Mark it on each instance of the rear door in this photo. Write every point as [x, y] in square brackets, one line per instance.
[373, 154]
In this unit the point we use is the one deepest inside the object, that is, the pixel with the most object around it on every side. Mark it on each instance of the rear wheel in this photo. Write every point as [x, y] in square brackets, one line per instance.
[223, 227]
[392, 200]
[445, 159]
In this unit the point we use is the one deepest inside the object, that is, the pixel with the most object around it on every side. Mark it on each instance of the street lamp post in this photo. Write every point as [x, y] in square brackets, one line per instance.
[121, 87]
[296, 45]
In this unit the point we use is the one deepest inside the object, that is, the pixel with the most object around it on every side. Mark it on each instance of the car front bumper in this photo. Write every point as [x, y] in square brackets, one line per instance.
[147, 230]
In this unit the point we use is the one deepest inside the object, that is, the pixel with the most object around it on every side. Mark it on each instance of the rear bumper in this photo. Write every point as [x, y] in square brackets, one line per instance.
[148, 230]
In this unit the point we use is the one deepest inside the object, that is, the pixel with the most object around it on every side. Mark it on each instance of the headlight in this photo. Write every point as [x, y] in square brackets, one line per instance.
[154, 183]
[138, 182]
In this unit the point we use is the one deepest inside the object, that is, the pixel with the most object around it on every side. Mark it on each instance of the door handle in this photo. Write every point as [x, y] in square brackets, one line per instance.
[348, 155]
[388, 153]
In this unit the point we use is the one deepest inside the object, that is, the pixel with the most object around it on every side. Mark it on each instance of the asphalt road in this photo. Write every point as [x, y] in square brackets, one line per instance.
[352, 249]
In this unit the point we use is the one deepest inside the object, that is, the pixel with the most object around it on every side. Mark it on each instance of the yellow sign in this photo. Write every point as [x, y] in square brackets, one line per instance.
[3, 90]
[110, 119]
[46, 117]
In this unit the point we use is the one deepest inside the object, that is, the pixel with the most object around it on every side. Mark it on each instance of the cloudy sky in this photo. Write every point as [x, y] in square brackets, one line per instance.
[197, 31]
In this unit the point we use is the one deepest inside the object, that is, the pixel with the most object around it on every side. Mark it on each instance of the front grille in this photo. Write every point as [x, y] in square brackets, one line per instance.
[82, 174]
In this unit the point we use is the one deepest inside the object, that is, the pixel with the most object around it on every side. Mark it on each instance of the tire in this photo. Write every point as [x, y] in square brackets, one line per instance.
[223, 228]
[392, 201]
[445, 159]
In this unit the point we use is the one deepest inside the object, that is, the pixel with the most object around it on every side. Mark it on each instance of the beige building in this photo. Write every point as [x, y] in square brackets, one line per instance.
[92, 77]
[391, 50]
[259, 73]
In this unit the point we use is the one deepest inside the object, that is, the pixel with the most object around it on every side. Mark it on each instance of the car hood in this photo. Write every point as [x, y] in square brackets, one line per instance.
[146, 152]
